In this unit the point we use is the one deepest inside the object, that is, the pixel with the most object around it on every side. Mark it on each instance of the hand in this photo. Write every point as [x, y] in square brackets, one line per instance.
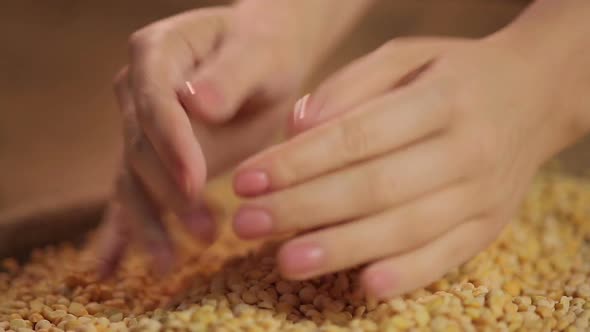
[419, 155]
[223, 75]
[187, 75]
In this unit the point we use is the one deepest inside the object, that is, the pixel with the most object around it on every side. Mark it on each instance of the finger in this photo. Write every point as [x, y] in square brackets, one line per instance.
[141, 155]
[379, 126]
[161, 54]
[146, 222]
[195, 215]
[392, 232]
[132, 133]
[353, 192]
[223, 83]
[394, 64]
[112, 240]
[401, 274]
[155, 178]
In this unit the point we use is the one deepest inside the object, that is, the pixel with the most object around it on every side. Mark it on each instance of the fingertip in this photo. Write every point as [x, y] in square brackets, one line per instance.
[378, 281]
[251, 182]
[204, 100]
[189, 172]
[252, 223]
[191, 183]
[201, 224]
[300, 259]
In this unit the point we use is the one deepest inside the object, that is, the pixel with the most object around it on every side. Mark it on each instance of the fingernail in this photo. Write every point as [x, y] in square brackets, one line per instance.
[378, 281]
[300, 259]
[200, 223]
[251, 222]
[200, 96]
[250, 183]
[190, 90]
[300, 110]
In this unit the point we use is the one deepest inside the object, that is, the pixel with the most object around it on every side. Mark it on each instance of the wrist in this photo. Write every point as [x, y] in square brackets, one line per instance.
[551, 38]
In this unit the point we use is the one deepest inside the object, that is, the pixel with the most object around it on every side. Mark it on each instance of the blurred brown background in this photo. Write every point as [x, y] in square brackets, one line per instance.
[59, 131]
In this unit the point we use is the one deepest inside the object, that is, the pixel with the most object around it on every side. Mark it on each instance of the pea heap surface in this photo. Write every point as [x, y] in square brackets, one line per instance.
[535, 277]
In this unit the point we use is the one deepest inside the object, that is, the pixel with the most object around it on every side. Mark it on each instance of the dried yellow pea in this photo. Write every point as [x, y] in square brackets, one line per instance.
[534, 277]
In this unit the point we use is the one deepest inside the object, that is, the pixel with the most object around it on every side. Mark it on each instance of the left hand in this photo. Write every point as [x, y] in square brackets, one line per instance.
[203, 90]
[425, 150]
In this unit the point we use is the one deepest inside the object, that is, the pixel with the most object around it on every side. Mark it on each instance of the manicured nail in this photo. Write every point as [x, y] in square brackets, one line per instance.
[200, 96]
[189, 88]
[250, 222]
[201, 224]
[301, 259]
[378, 281]
[249, 183]
[300, 111]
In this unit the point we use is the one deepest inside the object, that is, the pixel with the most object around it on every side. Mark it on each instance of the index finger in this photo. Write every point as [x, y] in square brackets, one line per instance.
[372, 129]
[162, 56]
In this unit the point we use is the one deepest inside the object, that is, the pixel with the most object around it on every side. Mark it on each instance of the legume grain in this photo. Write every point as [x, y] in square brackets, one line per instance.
[534, 278]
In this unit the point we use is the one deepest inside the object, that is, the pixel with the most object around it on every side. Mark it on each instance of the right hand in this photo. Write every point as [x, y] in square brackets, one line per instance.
[218, 74]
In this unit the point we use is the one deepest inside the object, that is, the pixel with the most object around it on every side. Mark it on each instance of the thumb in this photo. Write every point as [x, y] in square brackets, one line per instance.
[390, 67]
[219, 86]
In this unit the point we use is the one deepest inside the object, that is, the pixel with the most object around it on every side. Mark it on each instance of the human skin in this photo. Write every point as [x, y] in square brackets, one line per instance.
[203, 90]
[413, 158]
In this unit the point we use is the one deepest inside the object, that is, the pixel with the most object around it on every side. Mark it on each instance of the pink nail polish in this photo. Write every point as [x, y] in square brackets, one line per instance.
[250, 222]
[300, 113]
[204, 95]
[378, 281]
[201, 99]
[189, 87]
[201, 224]
[187, 97]
[301, 259]
[249, 183]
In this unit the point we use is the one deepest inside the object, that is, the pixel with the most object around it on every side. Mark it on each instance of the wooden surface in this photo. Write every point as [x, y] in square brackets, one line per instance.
[59, 130]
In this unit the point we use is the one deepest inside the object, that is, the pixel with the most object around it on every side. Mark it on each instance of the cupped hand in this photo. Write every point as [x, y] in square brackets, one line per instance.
[411, 160]
[202, 90]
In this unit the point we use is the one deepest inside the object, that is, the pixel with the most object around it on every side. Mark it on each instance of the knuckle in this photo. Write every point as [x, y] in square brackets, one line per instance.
[354, 139]
[143, 97]
[148, 38]
[140, 41]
